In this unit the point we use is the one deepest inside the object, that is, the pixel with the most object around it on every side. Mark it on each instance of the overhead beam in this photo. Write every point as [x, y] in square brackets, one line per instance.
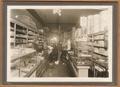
[36, 16]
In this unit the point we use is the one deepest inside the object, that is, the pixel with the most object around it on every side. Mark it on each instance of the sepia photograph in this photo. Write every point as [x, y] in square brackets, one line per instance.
[56, 43]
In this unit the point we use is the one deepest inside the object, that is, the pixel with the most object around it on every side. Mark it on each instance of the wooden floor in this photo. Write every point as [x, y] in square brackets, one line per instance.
[57, 70]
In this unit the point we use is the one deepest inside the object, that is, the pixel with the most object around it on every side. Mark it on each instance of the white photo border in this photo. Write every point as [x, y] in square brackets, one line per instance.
[61, 79]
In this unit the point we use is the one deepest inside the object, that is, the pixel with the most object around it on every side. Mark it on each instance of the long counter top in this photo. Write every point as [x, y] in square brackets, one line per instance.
[21, 52]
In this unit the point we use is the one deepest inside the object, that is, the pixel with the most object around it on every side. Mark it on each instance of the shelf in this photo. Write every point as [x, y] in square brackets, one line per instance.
[31, 37]
[99, 33]
[29, 29]
[99, 39]
[12, 36]
[96, 56]
[20, 41]
[98, 46]
[30, 34]
[30, 41]
[96, 34]
[21, 31]
[101, 54]
[21, 36]
[20, 27]
[99, 63]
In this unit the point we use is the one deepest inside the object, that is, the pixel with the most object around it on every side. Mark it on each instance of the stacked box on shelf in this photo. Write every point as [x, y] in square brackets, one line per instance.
[21, 33]
[31, 37]
[90, 44]
[11, 24]
[40, 39]
[12, 28]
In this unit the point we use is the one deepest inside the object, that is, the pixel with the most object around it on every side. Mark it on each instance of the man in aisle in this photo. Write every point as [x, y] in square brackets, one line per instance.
[59, 50]
[53, 53]
[64, 54]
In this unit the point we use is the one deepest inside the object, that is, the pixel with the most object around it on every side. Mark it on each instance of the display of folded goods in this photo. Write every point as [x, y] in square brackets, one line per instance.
[30, 40]
[31, 37]
[40, 43]
[11, 28]
[21, 36]
[20, 41]
[99, 42]
[99, 46]
[21, 31]
[40, 39]
[101, 50]
[31, 33]
[11, 37]
[12, 24]
[89, 43]
[100, 37]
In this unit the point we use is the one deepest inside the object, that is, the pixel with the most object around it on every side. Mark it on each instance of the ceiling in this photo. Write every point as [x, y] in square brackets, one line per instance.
[69, 16]
[67, 20]
[23, 16]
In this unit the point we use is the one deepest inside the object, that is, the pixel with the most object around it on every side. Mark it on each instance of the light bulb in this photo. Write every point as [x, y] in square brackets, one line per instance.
[16, 16]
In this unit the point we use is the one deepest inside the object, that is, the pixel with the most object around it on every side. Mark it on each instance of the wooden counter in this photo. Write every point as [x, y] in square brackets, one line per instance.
[16, 54]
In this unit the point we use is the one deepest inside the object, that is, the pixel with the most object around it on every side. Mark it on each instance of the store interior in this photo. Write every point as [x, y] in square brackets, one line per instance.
[59, 42]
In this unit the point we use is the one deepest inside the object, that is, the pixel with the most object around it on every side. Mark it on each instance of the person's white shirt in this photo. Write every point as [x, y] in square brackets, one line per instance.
[50, 48]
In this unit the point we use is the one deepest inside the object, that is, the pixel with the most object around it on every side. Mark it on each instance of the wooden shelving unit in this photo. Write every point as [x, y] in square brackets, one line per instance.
[21, 34]
[98, 43]
[39, 41]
